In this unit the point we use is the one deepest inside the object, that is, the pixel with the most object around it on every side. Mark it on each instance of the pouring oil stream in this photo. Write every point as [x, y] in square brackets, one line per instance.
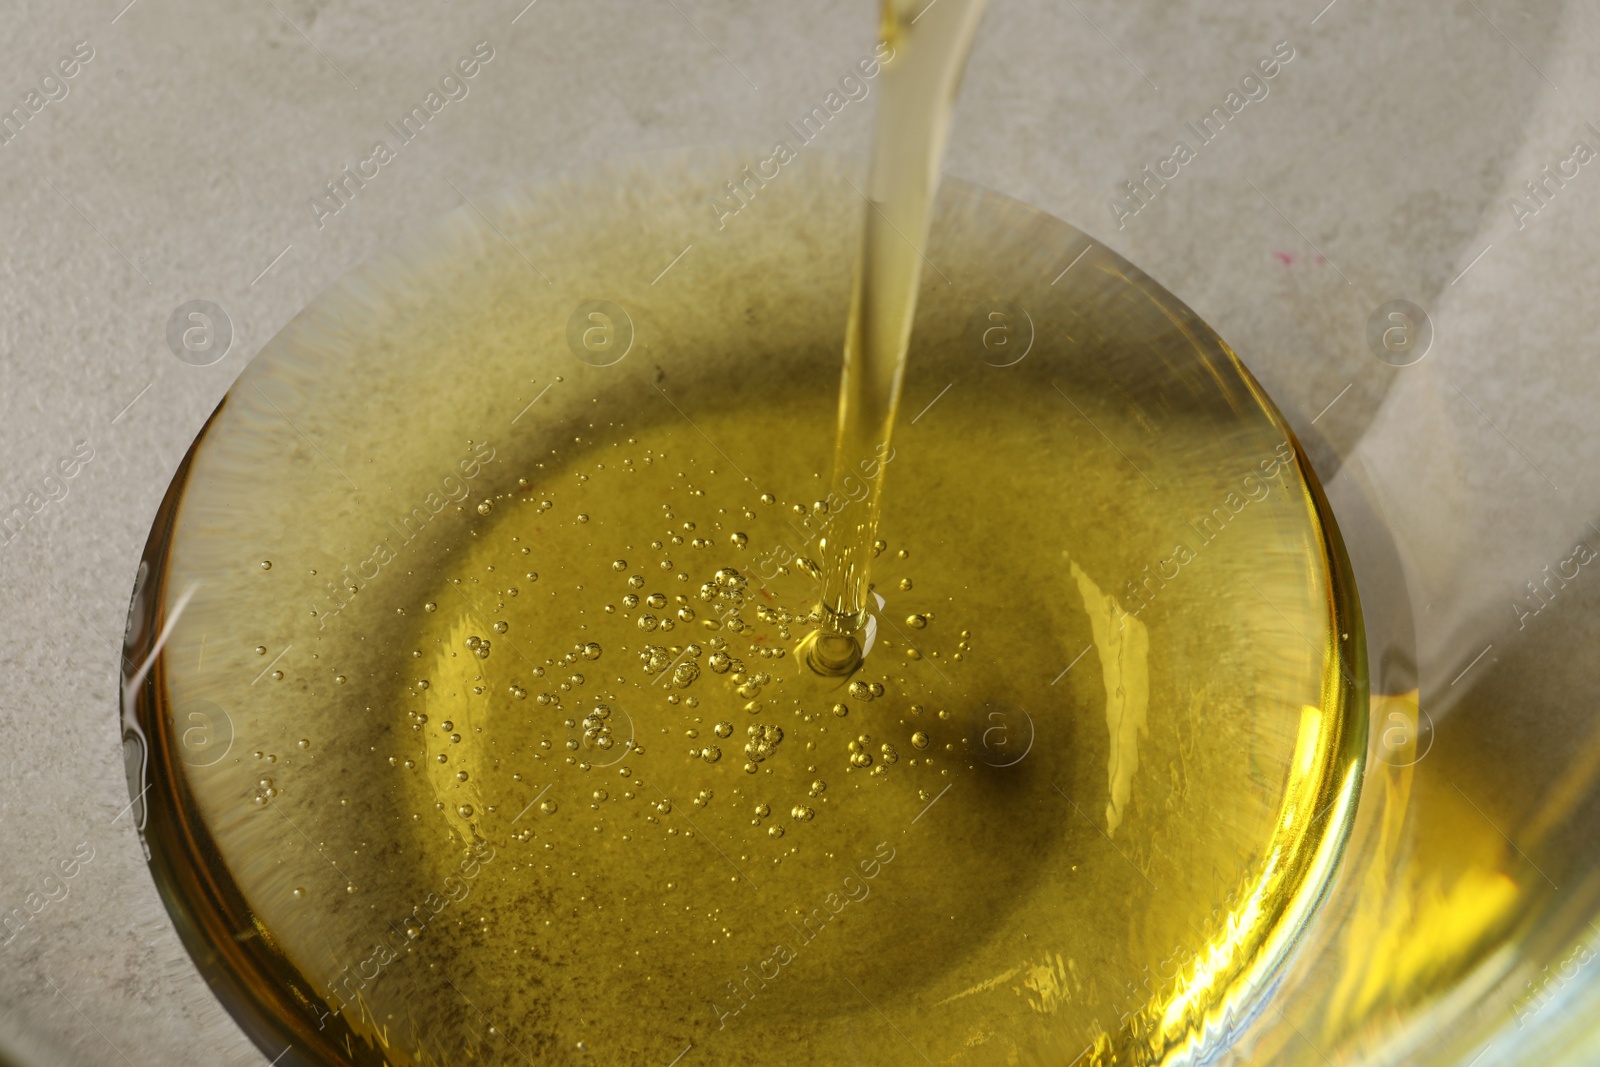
[930, 43]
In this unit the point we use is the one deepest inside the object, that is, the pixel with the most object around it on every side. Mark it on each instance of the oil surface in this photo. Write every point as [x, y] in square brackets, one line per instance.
[521, 765]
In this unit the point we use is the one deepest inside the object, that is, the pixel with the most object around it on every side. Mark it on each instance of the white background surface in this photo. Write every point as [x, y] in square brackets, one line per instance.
[182, 161]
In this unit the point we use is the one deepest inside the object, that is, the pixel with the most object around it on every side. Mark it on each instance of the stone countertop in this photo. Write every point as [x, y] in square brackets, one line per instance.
[181, 158]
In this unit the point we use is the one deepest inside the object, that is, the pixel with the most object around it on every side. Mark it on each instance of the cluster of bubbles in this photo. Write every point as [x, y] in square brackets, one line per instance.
[750, 688]
[656, 602]
[550, 699]
[685, 664]
[656, 658]
[764, 741]
[762, 811]
[861, 755]
[597, 728]
[266, 789]
[714, 613]
[785, 620]
[724, 597]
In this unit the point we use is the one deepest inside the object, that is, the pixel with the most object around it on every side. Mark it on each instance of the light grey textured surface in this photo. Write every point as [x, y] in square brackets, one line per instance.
[181, 162]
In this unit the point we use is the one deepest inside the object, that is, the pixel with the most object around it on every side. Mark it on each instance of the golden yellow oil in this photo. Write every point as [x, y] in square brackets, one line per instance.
[521, 764]
[695, 833]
